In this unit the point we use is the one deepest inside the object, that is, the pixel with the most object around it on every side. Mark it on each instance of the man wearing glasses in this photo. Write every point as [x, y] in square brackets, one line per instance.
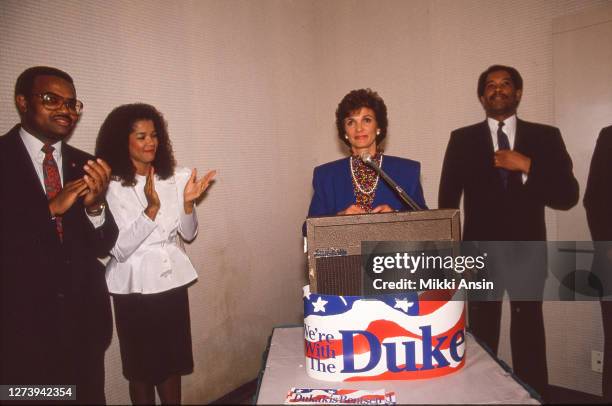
[55, 311]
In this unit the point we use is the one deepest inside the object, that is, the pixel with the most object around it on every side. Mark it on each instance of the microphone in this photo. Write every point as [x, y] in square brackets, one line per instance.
[367, 158]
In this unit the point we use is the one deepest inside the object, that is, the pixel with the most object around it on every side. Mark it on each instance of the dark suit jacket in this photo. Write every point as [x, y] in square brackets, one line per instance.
[492, 212]
[598, 194]
[333, 186]
[598, 205]
[55, 309]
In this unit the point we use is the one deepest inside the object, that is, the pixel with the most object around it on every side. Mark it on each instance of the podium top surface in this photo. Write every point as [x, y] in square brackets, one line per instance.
[350, 231]
[421, 215]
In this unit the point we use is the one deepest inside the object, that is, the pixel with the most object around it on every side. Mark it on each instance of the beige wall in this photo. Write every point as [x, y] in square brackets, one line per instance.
[250, 88]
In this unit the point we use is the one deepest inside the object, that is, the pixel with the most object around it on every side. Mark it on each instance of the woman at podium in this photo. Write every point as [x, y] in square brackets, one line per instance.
[351, 186]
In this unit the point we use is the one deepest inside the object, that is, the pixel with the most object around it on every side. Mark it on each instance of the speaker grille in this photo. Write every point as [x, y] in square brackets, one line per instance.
[339, 275]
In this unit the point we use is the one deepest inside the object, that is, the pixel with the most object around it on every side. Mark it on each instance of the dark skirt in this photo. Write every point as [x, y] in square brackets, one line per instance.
[154, 335]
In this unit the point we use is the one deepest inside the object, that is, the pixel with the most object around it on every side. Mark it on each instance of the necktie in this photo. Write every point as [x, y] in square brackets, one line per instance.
[53, 183]
[502, 143]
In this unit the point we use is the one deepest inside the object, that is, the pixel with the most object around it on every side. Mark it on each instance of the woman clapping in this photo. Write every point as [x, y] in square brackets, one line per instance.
[149, 272]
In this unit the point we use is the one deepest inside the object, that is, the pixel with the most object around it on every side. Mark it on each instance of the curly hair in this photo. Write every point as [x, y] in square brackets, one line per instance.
[357, 99]
[514, 74]
[113, 140]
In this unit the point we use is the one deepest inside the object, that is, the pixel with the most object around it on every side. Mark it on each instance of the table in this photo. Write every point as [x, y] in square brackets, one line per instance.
[483, 379]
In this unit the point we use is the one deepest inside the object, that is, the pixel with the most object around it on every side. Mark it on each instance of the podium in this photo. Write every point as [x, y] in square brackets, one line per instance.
[334, 243]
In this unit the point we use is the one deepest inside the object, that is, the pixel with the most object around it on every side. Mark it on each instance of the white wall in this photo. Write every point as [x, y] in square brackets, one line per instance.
[250, 88]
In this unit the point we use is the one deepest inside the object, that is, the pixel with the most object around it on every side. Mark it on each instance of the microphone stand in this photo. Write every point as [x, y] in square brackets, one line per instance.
[365, 157]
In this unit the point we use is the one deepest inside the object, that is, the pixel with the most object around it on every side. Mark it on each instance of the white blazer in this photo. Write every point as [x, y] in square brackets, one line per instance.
[148, 256]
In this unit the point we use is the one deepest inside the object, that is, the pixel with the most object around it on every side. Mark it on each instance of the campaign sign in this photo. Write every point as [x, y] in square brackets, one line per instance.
[387, 337]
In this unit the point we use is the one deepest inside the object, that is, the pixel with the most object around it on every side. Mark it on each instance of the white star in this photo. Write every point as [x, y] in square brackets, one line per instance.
[319, 305]
[403, 304]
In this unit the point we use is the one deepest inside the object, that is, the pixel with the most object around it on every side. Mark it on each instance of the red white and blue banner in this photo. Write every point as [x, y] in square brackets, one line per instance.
[387, 337]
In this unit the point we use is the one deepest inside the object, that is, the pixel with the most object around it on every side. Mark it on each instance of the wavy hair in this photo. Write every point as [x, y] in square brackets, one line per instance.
[357, 99]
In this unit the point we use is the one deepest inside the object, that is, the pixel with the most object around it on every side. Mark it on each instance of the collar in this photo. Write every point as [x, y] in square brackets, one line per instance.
[34, 146]
[509, 125]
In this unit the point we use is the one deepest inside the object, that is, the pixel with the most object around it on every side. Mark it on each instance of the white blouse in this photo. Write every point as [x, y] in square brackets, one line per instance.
[148, 256]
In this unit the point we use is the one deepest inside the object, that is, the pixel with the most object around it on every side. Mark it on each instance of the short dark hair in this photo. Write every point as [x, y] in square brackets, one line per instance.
[112, 144]
[515, 76]
[357, 99]
[25, 81]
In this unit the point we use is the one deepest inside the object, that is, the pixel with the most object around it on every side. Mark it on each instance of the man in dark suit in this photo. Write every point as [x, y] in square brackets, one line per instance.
[55, 308]
[508, 170]
[598, 205]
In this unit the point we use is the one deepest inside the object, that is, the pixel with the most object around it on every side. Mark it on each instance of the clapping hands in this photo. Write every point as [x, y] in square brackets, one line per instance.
[153, 203]
[92, 187]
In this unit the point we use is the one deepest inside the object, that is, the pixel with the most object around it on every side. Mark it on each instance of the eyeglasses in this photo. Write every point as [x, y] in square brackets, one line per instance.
[52, 101]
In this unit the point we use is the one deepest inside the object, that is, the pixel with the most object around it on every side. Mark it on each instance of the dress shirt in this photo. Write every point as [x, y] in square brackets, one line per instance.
[509, 129]
[148, 256]
[34, 147]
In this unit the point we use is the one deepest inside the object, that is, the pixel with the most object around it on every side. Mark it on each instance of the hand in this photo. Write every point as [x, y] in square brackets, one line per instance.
[512, 161]
[153, 203]
[194, 188]
[352, 209]
[97, 178]
[67, 196]
[383, 208]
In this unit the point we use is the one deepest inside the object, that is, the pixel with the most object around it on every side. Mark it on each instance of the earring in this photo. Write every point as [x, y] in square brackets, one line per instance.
[378, 132]
[345, 137]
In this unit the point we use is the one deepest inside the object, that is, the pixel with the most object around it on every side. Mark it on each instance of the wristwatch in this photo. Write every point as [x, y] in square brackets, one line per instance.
[97, 210]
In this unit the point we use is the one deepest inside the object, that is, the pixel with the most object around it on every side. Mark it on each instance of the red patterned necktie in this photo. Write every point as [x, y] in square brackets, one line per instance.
[53, 183]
